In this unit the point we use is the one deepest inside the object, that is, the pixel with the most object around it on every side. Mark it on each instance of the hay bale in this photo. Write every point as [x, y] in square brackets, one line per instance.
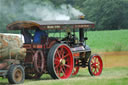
[11, 46]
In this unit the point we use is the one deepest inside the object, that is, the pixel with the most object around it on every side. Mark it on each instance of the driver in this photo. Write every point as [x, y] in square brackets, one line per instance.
[68, 36]
[38, 35]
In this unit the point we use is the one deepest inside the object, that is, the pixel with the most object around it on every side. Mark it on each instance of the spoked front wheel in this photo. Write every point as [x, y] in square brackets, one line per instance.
[95, 65]
[60, 61]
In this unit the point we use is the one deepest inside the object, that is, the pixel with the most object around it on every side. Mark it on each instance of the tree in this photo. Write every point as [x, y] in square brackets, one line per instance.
[107, 14]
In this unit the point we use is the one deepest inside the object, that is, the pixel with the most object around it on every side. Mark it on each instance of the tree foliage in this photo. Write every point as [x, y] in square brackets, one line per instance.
[108, 14]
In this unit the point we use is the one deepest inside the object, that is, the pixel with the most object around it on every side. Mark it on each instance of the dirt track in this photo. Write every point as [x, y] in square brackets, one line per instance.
[114, 59]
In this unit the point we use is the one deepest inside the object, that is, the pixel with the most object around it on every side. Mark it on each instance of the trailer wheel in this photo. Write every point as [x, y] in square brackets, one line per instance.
[95, 65]
[60, 61]
[16, 74]
[76, 68]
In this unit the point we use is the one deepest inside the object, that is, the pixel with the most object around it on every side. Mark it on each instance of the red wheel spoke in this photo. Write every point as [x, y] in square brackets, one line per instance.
[59, 71]
[98, 69]
[56, 66]
[68, 66]
[64, 68]
[94, 59]
[91, 62]
[65, 56]
[58, 54]
[97, 60]
[95, 70]
[56, 61]
[92, 65]
[62, 71]
[98, 66]
[62, 51]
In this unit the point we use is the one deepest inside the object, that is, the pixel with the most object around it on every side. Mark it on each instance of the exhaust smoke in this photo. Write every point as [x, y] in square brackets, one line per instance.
[49, 12]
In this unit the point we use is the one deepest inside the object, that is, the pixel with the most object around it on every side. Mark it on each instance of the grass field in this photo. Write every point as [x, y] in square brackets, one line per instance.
[116, 40]
[113, 76]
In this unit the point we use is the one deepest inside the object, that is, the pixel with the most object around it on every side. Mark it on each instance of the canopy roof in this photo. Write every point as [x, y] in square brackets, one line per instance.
[46, 25]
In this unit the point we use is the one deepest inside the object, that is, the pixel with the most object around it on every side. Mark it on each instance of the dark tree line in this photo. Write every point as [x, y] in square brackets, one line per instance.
[107, 14]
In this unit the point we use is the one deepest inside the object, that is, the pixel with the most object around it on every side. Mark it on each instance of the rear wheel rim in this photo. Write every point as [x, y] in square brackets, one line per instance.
[63, 62]
[96, 65]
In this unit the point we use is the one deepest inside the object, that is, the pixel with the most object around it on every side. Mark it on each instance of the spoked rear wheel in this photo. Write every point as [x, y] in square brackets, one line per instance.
[60, 61]
[95, 65]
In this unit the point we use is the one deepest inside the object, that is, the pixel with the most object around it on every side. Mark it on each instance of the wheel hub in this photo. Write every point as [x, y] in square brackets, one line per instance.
[62, 61]
[18, 75]
[95, 65]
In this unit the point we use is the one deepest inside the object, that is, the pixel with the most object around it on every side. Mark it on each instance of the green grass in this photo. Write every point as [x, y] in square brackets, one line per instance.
[109, 76]
[92, 81]
[116, 40]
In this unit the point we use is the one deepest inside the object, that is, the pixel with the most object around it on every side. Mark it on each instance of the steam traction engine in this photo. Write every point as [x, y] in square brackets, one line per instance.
[59, 57]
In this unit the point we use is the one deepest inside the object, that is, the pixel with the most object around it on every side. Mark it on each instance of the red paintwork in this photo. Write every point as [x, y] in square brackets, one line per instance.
[76, 55]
